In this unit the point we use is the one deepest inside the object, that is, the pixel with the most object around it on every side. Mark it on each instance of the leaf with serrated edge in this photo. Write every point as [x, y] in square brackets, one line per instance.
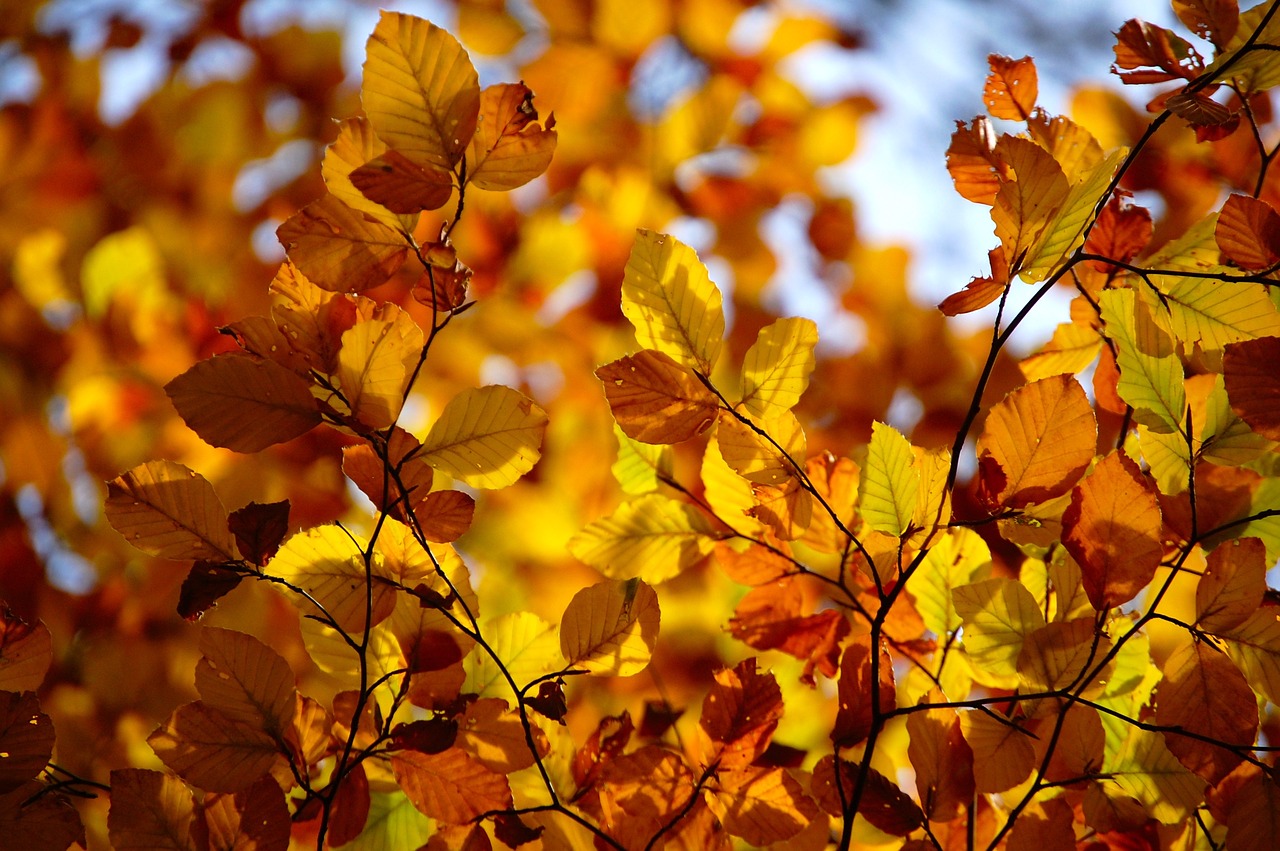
[245, 680]
[168, 510]
[671, 302]
[889, 486]
[487, 437]
[775, 370]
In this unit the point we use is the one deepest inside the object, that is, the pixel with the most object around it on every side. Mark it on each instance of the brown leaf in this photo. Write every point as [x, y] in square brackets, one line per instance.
[1253, 383]
[1213, 20]
[494, 735]
[26, 652]
[150, 811]
[350, 811]
[242, 403]
[741, 712]
[340, 249]
[770, 618]
[32, 818]
[26, 739]
[656, 400]
[206, 583]
[207, 749]
[1232, 586]
[1011, 87]
[1141, 46]
[1204, 693]
[606, 742]
[883, 804]
[509, 148]
[452, 786]
[1211, 119]
[168, 510]
[856, 692]
[942, 759]
[1253, 824]
[401, 185]
[1120, 232]
[1112, 528]
[245, 680]
[253, 819]
[445, 516]
[1248, 233]
[764, 805]
[259, 528]
[973, 162]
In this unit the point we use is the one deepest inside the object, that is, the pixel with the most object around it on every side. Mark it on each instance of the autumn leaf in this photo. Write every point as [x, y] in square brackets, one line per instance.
[509, 147]
[1055, 657]
[329, 565]
[1150, 373]
[883, 804]
[355, 145]
[776, 368]
[26, 739]
[656, 400]
[26, 652]
[450, 786]
[341, 249]
[1112, 528]
[942, 759]
[672, 303]
[1011, 87]
[1232, 586]
[167, 510]
[1212, 20]
[376, 358]
[245, 680]
[740, 714]
[1120, 232]
[773, 617]
[1145, 769]
[487, 437]
[32, 818]
[889, 486]
[1252, 387]
[256, 818]
[150, 810]
[861, 700]
[611, 628]
[394, 181]
[764, 805]
[975, 166]
[1142, 48]
[1024, 205]
[209, 749]
[243, 403]
[640, 467]
[420, 90]
[651, 537]
[1204, 693]
[1003, 755]
[997, 614]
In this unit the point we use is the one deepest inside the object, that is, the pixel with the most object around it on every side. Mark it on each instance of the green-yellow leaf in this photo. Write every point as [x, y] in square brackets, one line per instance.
[775, 371]
[652, 537]
[1024, 206]
[487, 437]
[328, 563]
[420, 90]
[376, 359]
[998, 615]
[889, 487]
[1145, 769]
[959, 557]
[1150, 372]
[729, 495]
[671, 301]
[1073, 347]
[611, 628]
[641, 467]
[1065, 232]
[528, 647]
[1227, 439]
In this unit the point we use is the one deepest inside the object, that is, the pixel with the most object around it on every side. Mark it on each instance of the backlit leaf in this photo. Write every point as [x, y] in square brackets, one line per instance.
[341, 249]
[775, 370]
[167, 510]
[509, 147]
[858, 689]
[611, 628]
[1141, 48]
[651, 537]
[942, 759]
[762, 460]
[1003, 755]
[883, 804]
[1248, 233]
[1024, 206]
[1150, 373]
[528, 647]
[764, 805]
[356, 145]
[1120, 232]
[394, 181]
[656, 400]
[640, 467]
[1212, 20]
[740, 713]
[26, 651]
[976, 168]
[376, 359]
[1253, 385]
[34, 819]
[1252, 822]
[1204, 693]
[328, 563]
[210, 750]
[150, 811]
[1255, 646]
[1113, 530]
[889, 487]
[26, 739]
[773, 617]
[253, 819]
[1011, 87]
[420, 90]
[1055, 656]
[998, 615]
[1065, 231]
[245, 680]
[487, 437]
[451, 787]
[1232, 586]
[243, 403]
[957, 558]
[671, 302]
[1041, 437]
[1145, 769]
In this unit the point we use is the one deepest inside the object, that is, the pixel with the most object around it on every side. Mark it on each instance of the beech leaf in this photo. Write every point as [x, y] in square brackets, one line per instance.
[611, 628]
[168, 510]
[487, 437]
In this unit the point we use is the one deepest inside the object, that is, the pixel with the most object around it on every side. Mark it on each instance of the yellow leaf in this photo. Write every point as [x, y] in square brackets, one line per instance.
[641, 467]
[376, 358]
[729, 495]
[487, 437]
[328, 563]
[671, 301]
[420, 90]
[775, 371]
[302, 311]
[1225, 438]
[1150, 372]
[611, 628]
[959, 557]
[998, 615]
[1145, 769]
[207, 749]
[243, 403]
[890, 484]
[528, 647]
[356, 145]
[1073, 347]
[170, 511]
[509, 147]
[1255, 646]
[1212, 313]
[651, 537]
[933, 504]
[1065, 232]
[768, 461]
[1024, 206]
[656, 400]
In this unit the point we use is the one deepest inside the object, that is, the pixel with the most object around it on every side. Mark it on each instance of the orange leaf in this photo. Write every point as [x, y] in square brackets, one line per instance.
[1011, 87]
[741, 712]
[1204, 693]
[1121, 231]
[445, 515]
[855, 691]
[26, 651]
[883, 804]
[1253, 383]
[494, 735]
[764, 805]
[942, 759]
[1024, 206]
[366, 470]
[509, 148]
[1140, 45]
[340, 249]
[243, 403]
[1253, 823]
[167, 510]
[452, 786]
[1036, 443]
[1112, 528]
[309, 318]
[26, 739]
[245, 680]
[973, 162]
[1212, 20]
[1248, 233]
[350, 810]
[207, 749]
[835, 481]
[656, 400]
[977, 294]
[401, 185]
[253, 819]
[1233, 584]
[756, 565]
[1003, 755]
[770, 618]
[150, 811]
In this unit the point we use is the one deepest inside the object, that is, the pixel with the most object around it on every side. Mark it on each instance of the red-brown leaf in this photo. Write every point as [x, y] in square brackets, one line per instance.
[856, 693]
[1248, 233]
[741, 712]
